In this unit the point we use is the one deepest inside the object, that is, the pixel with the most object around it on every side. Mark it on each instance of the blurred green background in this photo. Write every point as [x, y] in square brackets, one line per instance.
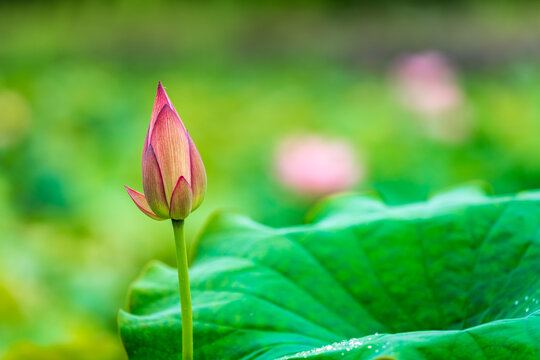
[77, 84]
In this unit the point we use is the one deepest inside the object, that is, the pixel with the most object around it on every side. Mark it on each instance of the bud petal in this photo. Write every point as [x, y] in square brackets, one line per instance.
[140, 200]
[198, 176]
[161, 100]
[153, 184]
[171, 145]
[181, 200]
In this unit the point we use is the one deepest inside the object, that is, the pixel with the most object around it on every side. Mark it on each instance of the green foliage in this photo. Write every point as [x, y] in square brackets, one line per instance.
[454, 275]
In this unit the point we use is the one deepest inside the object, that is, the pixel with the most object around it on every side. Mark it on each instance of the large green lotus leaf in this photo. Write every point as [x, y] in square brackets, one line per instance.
[456, 277]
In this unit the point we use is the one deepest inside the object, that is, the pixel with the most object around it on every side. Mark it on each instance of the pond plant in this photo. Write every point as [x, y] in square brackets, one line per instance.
[174, 183]
[455, 277]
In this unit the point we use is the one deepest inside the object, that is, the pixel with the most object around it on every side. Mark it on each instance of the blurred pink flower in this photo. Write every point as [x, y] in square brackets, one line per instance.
[427, 85]
[315, 165]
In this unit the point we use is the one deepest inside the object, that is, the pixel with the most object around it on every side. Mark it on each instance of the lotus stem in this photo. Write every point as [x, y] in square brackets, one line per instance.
[185, 294]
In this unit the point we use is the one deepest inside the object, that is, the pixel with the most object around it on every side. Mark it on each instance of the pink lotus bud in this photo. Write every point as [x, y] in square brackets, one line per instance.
[174, 179]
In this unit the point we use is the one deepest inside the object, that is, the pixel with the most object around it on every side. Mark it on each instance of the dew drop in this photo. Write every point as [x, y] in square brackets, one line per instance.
[527, 310]
[369, 347]
[516, 302]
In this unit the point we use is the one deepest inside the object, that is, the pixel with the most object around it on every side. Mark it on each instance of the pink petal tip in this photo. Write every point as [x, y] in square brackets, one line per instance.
[181, 200]
[140, 200]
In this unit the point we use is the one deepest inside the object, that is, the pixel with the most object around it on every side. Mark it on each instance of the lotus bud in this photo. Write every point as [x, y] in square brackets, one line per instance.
[174, 179]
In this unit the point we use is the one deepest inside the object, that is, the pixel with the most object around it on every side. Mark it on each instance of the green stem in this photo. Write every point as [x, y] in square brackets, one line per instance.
[185, 295]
